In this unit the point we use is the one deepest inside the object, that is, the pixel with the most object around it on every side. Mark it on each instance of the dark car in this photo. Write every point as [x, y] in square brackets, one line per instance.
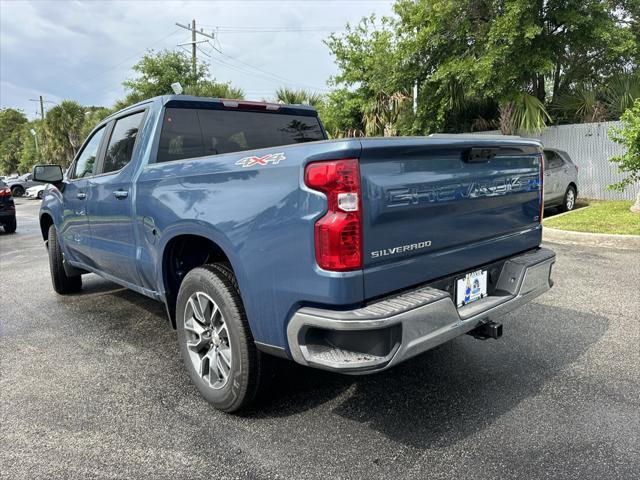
[7, 209]
[19, 185]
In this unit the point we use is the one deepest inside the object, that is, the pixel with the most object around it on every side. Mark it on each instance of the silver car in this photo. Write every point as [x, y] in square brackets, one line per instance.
[560, 180]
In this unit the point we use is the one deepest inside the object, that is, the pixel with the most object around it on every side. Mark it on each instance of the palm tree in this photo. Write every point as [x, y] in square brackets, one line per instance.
[381, 114]
[298, 97]
[210, 88]
[621, 93]
[583, 104]
[590, 103]
[63, 132]
[524, 112]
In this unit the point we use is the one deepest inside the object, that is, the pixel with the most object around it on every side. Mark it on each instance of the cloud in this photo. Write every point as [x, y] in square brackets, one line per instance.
[84, 50]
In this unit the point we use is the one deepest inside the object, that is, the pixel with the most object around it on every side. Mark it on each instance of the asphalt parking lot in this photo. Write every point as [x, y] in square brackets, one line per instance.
[92, 386]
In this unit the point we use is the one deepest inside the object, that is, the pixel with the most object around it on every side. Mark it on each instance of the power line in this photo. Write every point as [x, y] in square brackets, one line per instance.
[136, 55]
[270, 74]
[275, 81]
[240, 29]
[194, 43]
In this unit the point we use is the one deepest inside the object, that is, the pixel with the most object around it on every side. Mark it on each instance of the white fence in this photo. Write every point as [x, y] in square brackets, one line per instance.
[590, 148]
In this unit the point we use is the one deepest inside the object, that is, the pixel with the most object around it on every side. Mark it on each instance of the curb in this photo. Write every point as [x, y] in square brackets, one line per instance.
[558, 215]
[623, 242]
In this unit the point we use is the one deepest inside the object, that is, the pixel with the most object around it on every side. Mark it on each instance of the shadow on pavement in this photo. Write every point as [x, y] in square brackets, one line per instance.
[453, 391]
[433, 400]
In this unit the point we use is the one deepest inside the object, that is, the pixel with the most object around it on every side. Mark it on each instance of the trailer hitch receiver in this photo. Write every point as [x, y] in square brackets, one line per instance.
[487, 330]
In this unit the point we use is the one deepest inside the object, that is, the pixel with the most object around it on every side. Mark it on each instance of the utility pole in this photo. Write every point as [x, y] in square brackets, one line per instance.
[194, 42]
[42, 101]
[193, 47]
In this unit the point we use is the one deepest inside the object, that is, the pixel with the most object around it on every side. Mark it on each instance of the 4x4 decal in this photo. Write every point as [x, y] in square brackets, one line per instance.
[273, 158]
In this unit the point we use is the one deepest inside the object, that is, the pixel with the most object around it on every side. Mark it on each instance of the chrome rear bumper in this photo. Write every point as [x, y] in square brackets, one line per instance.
[393, 329]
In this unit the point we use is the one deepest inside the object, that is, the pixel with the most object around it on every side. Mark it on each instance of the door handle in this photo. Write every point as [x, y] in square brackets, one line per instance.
[120, 194]
[81, 195]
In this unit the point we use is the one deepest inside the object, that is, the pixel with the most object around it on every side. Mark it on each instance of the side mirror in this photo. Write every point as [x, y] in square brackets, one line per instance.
[47, 173]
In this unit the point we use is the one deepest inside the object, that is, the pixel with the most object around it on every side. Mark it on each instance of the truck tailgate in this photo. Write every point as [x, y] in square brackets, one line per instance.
[431, 211]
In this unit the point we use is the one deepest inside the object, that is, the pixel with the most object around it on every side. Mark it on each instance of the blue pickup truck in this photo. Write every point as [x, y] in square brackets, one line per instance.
[263, 238]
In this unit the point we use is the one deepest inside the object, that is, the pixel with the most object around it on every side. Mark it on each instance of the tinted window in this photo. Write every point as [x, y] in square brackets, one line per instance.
[181, 136]
[123, 138]
[566, 159]
[87, 158]
[192, 133]
[553, 160]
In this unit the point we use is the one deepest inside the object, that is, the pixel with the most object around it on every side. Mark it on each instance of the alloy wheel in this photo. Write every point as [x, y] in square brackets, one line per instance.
[571, 199]
[207, 339]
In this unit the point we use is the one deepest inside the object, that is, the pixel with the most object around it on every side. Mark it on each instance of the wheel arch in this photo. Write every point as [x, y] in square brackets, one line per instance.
[182, 252]
[46, 220]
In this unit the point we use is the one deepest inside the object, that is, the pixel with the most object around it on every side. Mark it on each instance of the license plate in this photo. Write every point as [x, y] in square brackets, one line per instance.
[471, 288]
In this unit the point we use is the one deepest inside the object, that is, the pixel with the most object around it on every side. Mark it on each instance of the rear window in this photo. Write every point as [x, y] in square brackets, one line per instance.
[188, 133]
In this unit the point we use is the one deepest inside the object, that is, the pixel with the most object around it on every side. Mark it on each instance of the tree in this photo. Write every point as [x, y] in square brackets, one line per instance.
[504, 49]
[298, 97]
[629, 163]
[598, 103]
[473, 59]
[157, 71]
[30, 152]
[372, 78]
[92, 117]
[12, 122]
[210, 88]
[524, 112]
[63, 132]
[382, 114]
[342, 113]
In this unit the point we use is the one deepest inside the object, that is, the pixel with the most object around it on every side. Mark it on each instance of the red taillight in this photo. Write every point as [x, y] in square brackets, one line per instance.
[541, 187]
[5, 192]
[338, 234]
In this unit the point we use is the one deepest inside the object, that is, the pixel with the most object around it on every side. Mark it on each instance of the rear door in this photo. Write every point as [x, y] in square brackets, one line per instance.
[553, 164]
[75, 229]
[430, 210]
[113, 238]
[569, 171]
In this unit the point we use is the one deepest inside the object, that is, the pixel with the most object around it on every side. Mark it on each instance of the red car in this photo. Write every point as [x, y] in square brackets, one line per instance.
[7, 209]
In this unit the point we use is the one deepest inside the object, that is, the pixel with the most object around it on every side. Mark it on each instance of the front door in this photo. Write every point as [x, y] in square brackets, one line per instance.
[110, 205]
[75, 229]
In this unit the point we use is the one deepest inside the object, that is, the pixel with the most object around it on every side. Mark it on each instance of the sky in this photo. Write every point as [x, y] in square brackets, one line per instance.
[83, 50]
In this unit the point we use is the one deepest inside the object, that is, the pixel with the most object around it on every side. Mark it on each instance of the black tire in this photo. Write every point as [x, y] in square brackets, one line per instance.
[248, 365]
[62, 283]
[10, 225]
[17, 191]
[569, 199]
[40, 194]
